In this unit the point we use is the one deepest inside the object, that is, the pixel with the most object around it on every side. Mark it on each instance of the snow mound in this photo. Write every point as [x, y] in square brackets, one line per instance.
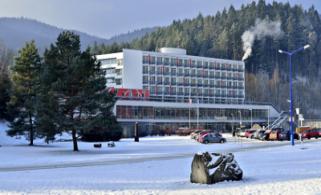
[7, 140]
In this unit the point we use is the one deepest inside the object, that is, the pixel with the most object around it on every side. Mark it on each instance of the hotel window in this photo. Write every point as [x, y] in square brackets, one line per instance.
[173, 90]
[108, 61]
[217, 66]
[180, 91]
[167, 91]
[205, 92]
[159, 70]
[159, 90]
[199, 64]
[199, 82]
[194, 91]
[166, 61]
[145, 79]
[211, 92]
[180, 80]
[118, 81]
[152, 80]
[186, 72]
[223, 75]
[152, 90]
[205, 65]
[186, 91]
[173, 81]
[120, 62]
[166, 70]
[152, 69]
[110, 80]
[229, 75]
[166, 81]
[211, 83]
[217, 74]
[205, 82]
[199, 91]
[193, 72]
[185, 63]
[173, 61]
[145, 69]
[212, 66]
[193, 64]
[173, 71]
[110, 71]
[217, 84]
[193, 82]
[186, 81]
[152, 60]
[180, 71]
[199, 73]
[205, 73]
[223, 83]
[212, 74]
[159, 80]
[145, 59]
[159, 60]
[179, 62]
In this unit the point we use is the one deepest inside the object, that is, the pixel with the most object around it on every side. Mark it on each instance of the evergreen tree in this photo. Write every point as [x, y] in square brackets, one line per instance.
[77, 85]
[25, 75]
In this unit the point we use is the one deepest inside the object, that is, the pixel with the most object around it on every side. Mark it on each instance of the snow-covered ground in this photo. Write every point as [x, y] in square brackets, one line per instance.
[155, 165]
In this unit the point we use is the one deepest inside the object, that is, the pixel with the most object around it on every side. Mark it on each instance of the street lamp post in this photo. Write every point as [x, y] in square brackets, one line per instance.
[290, 54]
[240, 118]
[251, 118]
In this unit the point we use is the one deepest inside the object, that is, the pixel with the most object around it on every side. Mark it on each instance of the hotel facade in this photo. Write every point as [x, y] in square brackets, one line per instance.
[165, 90]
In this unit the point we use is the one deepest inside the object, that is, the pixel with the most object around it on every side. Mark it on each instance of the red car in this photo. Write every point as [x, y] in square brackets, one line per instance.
[201, 134]
[248, 133]
[316, 133]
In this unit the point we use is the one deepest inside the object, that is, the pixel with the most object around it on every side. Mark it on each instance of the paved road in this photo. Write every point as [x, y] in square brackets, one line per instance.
[108, 161]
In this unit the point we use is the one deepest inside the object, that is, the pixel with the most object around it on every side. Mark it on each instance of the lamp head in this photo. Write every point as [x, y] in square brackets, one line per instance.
[280, 51]
[306, 46]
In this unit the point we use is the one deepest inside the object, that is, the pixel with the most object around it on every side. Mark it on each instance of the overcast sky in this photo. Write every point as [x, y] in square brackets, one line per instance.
[106, 18]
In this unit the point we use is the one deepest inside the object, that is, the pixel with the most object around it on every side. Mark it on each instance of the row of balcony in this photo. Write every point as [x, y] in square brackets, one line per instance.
[193, 75]
[201, 95]
[198, 85]
[199, 66]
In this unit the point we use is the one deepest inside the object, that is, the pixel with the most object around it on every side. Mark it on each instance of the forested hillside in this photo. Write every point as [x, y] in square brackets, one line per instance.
[267, 76]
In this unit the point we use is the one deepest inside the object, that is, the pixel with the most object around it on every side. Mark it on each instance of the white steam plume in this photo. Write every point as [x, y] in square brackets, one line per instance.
[262, 28]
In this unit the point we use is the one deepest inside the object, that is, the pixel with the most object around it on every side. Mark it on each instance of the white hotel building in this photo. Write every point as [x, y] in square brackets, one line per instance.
[179, 90]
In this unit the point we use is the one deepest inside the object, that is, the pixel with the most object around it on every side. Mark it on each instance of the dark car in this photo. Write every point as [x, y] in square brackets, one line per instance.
[212, 138]
[264, 135]
[258, 133]
[285, 135]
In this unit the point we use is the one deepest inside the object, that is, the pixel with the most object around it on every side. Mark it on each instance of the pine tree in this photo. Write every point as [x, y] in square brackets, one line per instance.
[77, 87]
[26, 72]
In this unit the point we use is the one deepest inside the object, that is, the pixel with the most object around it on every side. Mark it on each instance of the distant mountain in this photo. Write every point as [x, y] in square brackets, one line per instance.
[130, 36]
[14, 32]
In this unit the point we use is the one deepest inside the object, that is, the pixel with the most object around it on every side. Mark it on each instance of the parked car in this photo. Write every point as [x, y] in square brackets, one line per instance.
[265, 135]
[202, 133]
[316, 133]
[274, 135]
[257, 134]
[195, 133]
[212, 138]
[183, 131]
[248, 133]
[285, 135]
